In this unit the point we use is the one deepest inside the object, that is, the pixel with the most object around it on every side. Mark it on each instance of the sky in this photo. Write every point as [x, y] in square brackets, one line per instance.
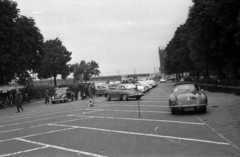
[122, 36]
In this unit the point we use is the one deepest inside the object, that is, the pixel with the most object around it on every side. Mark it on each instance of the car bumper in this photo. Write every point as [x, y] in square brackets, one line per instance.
[188, 107]
[135, 96]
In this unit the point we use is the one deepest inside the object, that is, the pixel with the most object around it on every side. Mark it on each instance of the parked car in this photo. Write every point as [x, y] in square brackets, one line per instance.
[100, 90]
[62, 94]
[140, 88]
[123, 92]
[187, 97]
[163, 80]
[152, 83]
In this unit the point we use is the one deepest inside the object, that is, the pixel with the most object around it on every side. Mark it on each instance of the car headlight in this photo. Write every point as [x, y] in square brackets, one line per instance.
[173, 98]
[203, 97]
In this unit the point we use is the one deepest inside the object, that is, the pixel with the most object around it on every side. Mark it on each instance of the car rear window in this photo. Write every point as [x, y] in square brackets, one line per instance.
[186, 87]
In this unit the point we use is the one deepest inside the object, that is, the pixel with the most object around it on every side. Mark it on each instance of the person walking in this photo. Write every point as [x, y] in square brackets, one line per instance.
[81, 88]
[91, 93]
[46, 97]
[76, 90]
[18, 100]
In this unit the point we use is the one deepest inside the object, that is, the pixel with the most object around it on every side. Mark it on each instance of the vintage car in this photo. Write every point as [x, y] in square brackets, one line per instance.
[163, 80]
[123, 92]
[187, 97]
[100, 89]
[62, 94]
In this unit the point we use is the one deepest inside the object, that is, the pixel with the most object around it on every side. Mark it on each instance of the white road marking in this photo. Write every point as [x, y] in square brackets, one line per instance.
[25, 151]
[223, 137]
[11, 130]
[156, 128]
[143, 134]
[136, 105]
[130, 111]
[137, 119]
[59, 147]
[148, 100]
[42, 133]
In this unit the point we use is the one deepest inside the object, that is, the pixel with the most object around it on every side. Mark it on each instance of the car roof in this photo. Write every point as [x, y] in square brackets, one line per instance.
[182, 83]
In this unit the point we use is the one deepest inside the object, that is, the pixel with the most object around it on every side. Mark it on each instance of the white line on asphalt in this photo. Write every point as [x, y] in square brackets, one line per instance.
[143, 134]
[11, 130]
[156, 128]
[136, 105]
[42, 133]
[25, 151]
[136, 119]
[129, 111]
[61, 148]
[142, 101]
[223, 137]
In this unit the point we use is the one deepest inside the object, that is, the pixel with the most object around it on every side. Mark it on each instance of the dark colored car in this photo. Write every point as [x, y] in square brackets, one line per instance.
[100, 90]
[62, 94]
[123, 92]
[187, 97]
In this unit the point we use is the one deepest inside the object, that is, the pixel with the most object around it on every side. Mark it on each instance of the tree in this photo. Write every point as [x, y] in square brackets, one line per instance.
[20, 43]
[84, 71]
[55, 61]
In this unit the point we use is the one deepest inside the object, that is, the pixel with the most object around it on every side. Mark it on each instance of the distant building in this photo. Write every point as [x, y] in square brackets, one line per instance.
[162, 56]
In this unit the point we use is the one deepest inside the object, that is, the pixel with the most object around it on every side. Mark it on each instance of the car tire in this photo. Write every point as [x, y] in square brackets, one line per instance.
[53, 102]
[107, 97]
[138, 98]
[204, 109]
[124, 97]
[173, 111]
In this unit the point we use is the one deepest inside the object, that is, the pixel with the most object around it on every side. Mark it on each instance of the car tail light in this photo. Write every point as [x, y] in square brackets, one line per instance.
[173, 98]
[203, 97]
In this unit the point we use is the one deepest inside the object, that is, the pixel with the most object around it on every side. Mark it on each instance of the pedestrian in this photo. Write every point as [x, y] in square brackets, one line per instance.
[18, 100]
[26, 99]
[76, 90]
[46, 97]
[86, 90]
[91, 92]
[81, 88]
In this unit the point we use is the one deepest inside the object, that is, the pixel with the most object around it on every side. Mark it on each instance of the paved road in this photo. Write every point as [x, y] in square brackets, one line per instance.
[115, 129]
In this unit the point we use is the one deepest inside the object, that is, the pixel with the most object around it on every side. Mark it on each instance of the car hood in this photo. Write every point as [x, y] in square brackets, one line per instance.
[187, 97]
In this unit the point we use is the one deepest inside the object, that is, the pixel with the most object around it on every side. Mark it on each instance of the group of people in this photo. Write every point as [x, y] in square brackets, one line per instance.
[13, 97]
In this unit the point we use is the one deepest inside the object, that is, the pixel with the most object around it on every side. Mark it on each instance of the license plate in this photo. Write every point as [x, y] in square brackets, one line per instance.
[189, 109]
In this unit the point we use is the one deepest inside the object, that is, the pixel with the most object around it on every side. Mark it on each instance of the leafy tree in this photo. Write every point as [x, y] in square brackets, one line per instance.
[55, 61]
[20, 43]
[84, 71]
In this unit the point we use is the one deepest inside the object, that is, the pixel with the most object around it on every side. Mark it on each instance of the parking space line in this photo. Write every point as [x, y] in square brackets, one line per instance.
[130, 111]
[143, 134]
[11, 130]
[137, 119]
[59, 147]
[223, 137]
[25, 151]
[136, 105]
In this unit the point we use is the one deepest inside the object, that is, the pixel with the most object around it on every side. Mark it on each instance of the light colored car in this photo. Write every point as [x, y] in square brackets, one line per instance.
[145, 84]
[187, 97]
[123, 92]
[62, 94]
[163, 80]
[140, 88]
[152, 83]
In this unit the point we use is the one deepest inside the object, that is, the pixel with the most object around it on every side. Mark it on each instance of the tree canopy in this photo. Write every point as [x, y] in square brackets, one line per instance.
[84, 71]
[55, 61]
[209, 40]
[21, 44]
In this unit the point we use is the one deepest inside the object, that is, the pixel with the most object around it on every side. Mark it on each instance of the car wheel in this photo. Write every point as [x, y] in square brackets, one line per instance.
[107, 97]
[173, 111]
[53, 102]
[138, 98]
[124, 97]
[204, 110]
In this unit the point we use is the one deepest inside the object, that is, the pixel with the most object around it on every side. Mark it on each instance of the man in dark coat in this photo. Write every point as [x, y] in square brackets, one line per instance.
[76, 90]
[81, 88]
[18, 100]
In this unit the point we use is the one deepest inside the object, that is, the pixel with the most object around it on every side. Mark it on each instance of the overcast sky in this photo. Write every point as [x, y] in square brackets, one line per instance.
[120, 35]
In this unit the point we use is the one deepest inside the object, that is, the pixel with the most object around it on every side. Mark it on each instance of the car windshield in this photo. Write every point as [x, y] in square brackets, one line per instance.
[60, 90]
[186, 87]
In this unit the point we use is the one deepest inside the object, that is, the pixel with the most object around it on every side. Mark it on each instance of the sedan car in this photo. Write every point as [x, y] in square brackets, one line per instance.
[187, 97]
[100, 90]
[62, 94]
[123, 92]
[163, 80]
